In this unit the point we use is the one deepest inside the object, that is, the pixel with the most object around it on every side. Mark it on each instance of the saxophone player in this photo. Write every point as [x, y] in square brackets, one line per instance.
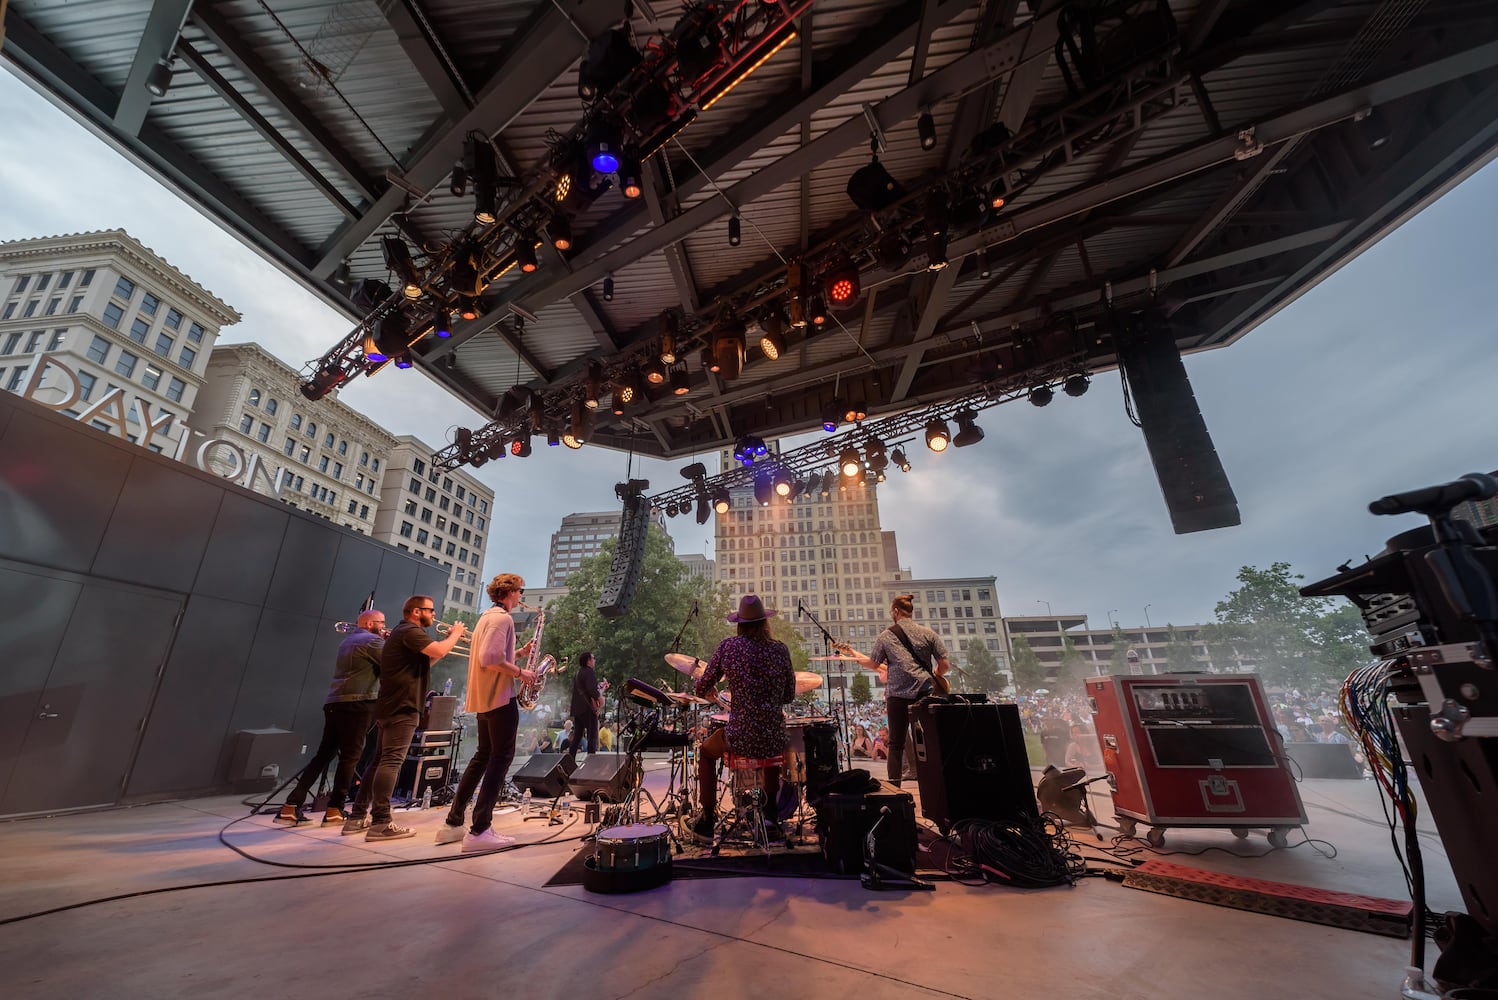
[492, 673]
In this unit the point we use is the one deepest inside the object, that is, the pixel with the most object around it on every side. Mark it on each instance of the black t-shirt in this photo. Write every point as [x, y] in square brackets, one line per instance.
[584, 693]
[404, 670]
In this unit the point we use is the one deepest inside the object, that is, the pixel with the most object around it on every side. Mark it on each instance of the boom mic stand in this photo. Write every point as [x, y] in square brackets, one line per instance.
[676, 643]
[843, 728]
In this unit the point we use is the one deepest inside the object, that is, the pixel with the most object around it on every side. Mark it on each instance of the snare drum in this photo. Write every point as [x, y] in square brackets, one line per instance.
[632, 848]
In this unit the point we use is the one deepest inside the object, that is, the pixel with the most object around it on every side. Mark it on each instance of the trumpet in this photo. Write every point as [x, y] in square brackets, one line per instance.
[355, 627]
[461, 647]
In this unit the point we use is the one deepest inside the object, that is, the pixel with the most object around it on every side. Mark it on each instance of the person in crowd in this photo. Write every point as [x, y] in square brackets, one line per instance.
[405, 672]
[862, 745]
[492, 673]
[761, 680]
[347, 714]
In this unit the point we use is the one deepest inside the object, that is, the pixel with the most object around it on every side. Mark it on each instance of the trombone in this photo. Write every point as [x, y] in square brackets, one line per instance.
[347, 627]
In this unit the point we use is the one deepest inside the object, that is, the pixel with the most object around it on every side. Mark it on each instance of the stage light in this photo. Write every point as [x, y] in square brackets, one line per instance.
[814, 482]
[485, 181]
[398, 259]
[629, 176]
[782, 483]
[592, 385]
[525, 253]
[323, 382]
[937, 434]
[611, 57]
[391, 336]
[403, 360]
[442, 324]
[969, 211]
[901, 462]
[816, 311]
[968, 431]
[579, 428]
[564, 187]
[1373, 126]
[670, 335]
[925, 127]
[764, 487]
[513, 399]
[722, 89]
[694, 471]
[721, 501]
[372, 352]
[681, 381]
[655, 372]
[1076, 384]
[608, 287]
[1041, 395]
[159, 80]
[998, 194]
[735, 230]
[521, 446]
[468, 307]
[855, 411]
[985, 269]
[936, 220]
[842, 286]
[457, 184]
[832, 415]
[709, 361]
[624, 391]
[671, 509]
[603, 146]
[772, 337]
[848, 462]
[728, 347]
[553, 437]
[894, 250]
[561, 232]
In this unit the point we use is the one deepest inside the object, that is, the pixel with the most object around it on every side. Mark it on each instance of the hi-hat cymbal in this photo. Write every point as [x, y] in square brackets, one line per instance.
[689, 665]
[807, 681]
[686, 699]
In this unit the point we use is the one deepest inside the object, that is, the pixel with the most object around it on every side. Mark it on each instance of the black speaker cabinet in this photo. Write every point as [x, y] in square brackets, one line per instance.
[420, 772]
[605, 776]
[845, 819]
[545, 774]
[971, 762]
[439, 713]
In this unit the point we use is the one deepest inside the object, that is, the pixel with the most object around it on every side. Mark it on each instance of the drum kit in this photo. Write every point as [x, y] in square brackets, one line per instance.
[633, 851]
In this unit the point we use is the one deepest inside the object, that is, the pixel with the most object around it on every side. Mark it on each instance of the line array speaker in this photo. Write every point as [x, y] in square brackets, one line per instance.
[624, 572]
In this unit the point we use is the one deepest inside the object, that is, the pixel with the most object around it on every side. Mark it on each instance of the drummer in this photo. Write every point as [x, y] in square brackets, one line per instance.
[761, 679]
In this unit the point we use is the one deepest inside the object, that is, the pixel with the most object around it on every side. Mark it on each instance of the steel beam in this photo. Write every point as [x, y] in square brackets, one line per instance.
[543, 52]
[935, 307]
[163, 25]
[429, 56]
[676, 257]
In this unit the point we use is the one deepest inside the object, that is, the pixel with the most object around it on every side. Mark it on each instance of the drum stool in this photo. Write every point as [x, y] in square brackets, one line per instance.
[747, 789]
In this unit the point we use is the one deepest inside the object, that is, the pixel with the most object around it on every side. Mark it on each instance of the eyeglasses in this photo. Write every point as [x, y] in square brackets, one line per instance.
[426, 609]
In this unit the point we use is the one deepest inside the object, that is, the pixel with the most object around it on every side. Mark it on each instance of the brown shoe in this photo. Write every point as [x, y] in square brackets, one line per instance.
[288, 816]
[332, 816]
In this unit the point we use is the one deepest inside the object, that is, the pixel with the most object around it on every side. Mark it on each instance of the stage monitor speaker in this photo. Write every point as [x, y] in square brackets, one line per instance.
[261, 757]
[971, 763]
[624, 572]
[845, 819]
[545, 774]
[1196, 488]
[1324, 760]
[439, 713]
[604, 776]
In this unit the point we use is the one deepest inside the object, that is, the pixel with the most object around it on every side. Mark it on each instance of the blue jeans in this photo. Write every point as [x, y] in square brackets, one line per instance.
[374, 792]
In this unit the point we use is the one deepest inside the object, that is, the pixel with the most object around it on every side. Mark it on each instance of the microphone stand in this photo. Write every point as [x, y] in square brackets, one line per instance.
[844, 730]
[676, 643]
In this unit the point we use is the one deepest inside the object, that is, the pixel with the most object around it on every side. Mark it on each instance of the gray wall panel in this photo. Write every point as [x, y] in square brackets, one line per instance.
[160, 527]
[271, 689]
[189, 725]
[432, 579]
[355, 573]
[31, 641]
[398, 578]
[304, 566]
[58, 485]
[242, 551]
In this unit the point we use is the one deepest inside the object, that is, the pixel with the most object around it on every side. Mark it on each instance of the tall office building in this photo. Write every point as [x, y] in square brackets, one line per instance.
[442, 515]
[699, 566]
[133, 331]
[323, 456]
[582, 535]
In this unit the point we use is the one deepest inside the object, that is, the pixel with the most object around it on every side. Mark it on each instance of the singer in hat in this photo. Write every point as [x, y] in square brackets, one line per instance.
[761, 679]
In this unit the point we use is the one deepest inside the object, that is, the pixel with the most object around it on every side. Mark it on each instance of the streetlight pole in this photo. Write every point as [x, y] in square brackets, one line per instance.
[1048, 611]
[1111, 620]
[1147, 616]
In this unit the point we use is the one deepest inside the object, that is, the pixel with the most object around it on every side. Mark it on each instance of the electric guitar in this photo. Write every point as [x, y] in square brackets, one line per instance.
[940, 686]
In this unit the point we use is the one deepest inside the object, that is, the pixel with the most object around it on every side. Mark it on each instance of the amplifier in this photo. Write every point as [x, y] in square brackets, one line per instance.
[420, 772]
[424, 739]
[971, 763]
[845, 819]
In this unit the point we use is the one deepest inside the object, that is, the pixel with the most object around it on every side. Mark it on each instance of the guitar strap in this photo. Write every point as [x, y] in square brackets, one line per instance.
[905, 641]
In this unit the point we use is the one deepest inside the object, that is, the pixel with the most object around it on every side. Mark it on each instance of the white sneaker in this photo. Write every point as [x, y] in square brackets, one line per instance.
[450, 834]
[486, 841]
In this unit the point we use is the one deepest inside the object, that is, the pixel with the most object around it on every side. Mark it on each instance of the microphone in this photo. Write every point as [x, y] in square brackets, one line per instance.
[1436, 499]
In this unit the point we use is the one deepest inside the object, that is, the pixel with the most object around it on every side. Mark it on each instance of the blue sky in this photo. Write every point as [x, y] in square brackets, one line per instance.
[1377, 380]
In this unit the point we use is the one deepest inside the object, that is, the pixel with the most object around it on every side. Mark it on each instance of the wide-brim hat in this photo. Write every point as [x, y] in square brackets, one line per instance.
[751, 609]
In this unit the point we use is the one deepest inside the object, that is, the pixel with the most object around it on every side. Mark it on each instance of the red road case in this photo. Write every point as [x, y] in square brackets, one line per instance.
[1193, 750]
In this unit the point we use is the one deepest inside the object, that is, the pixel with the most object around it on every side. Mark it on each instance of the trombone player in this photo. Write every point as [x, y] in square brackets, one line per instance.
[347, 714]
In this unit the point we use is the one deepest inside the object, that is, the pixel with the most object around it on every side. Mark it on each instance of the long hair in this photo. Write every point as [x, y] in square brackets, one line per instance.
[757, 631]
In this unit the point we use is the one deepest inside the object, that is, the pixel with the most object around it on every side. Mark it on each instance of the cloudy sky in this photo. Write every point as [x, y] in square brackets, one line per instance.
[1373, 382]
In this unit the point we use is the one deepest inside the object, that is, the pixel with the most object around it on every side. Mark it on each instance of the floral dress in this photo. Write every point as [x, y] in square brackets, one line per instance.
[761, 680]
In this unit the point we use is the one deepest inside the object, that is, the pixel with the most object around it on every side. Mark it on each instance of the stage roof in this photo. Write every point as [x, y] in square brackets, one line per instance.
[1210, 160]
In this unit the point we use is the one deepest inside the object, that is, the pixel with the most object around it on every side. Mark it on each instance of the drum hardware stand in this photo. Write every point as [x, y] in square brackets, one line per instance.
[552, 813]
[829, 642]
[876, 875]
[629, 809]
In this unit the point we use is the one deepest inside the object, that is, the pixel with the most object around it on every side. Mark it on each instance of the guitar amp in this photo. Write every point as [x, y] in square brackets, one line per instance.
[1193, 750]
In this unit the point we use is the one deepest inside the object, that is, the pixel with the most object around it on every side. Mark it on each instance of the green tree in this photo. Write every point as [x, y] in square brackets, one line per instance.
[1074, 668]
[860, 690]
[1179, 655]
[1290, 639]
[1029, 672]
[982, 673]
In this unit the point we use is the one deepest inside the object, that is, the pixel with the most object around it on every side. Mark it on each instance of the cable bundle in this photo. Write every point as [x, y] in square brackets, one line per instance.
[1031, 853]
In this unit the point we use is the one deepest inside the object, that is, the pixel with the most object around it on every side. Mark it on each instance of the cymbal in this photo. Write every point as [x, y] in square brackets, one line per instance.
[685, 699]
[807, 681]
[689, 665]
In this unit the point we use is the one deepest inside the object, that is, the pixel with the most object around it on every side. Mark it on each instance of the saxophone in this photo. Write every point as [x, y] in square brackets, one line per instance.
[528, 693]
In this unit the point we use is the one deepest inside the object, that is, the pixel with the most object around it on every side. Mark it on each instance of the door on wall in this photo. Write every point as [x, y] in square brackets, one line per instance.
[75, 716]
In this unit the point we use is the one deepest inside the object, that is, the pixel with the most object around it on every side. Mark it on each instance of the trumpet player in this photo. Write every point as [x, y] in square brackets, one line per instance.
[405, 673]
[347, 714]
[492, 673]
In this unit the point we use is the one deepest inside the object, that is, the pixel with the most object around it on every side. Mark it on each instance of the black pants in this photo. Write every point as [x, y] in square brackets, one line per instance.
[344, 726]
[899, 724]
[488, 768]
[375, 790]
[583, 726]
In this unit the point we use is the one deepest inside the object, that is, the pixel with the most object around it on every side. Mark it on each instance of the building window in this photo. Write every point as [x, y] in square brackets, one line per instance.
[86, 382]
[173, 319]
[305, 456]
[112, 316]
[16, 376]
[311, 431]
[327, 442]
[98, 350]
[264, 434]
[271, 406]
[126, 364]
[187, 357]
[255, 397]
[338, 470]
[22, 283]
[421, 537]
[246, 424]
[296, 421]
[34, 341]
[195, 333]
[290, 447]
[374, 464]
[418, 466]
[353, 505]
[322, 464]
[175, 388]
[30, 308]
[75, 304]
[52, 307]
[364, 458]
[148, 304]
[42, 282]
[343, 447]
[416, 486]
[152, 377]
[10, 310]
[138, 330]
[58, 336]
[164, 345]
[124, 288]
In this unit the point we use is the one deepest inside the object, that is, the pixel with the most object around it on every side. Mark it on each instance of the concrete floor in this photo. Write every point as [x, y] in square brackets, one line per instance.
[485, 926]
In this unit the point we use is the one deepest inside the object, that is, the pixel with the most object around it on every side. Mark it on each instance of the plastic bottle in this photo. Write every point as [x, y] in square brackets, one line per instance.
[447, 686]
[426, 798]
[1417, 987]
[525, 803]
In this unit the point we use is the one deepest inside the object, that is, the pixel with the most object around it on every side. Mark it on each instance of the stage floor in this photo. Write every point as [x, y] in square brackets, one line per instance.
[481, 926]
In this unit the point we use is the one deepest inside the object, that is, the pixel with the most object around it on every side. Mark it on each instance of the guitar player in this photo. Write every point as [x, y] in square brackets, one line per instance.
[912, 661]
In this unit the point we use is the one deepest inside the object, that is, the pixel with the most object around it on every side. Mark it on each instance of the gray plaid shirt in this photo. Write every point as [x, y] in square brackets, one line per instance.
[907, 677]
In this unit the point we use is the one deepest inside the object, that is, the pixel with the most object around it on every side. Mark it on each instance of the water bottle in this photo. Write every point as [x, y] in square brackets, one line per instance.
[447, 687]
[426, 798]
[525, 803]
